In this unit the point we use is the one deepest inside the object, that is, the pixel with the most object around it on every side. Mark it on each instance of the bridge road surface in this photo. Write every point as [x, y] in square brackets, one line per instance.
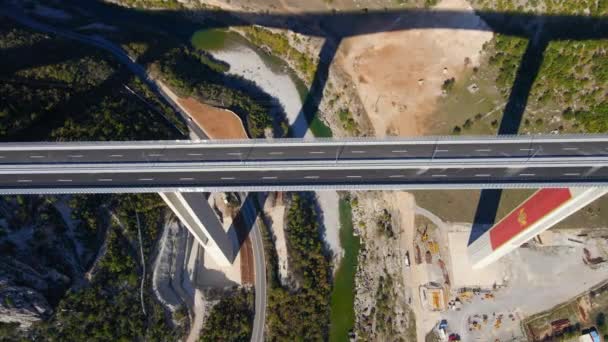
[305, 149]
[299, 164]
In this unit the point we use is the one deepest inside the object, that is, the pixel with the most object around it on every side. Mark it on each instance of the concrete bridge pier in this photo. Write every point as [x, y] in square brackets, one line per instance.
[541, 211]
[194, 211]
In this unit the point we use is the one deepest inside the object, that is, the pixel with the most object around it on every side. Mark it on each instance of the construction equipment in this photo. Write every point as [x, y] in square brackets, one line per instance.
[433, 247]
[424, 236]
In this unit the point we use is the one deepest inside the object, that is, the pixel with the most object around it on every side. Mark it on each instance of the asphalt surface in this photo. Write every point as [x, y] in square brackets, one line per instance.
[176, 165]
[299, 149]
[259, 319]
[296, 175]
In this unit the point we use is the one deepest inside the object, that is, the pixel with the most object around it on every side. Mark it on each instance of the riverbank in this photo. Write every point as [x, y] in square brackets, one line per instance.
[268, 72]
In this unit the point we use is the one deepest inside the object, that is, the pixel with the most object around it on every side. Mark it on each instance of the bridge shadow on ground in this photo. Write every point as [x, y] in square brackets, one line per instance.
[334, 27]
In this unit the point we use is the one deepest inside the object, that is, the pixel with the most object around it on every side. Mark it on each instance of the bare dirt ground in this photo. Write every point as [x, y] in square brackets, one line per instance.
[274, 211]
[398, 75]
[382, 296]
[217, 123]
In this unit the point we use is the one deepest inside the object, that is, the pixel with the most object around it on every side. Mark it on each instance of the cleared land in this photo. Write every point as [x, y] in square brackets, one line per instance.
[217, 123]
[399, 75]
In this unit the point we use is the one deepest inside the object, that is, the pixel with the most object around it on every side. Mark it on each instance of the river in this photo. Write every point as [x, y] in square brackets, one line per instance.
[274, 76]
[268, 72]
[343, 293]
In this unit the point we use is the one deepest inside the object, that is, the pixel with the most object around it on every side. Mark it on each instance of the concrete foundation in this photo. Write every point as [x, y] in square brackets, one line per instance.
[194, 211]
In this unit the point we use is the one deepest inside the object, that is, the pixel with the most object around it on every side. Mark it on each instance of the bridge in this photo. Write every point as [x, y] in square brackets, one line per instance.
[305, 164]
[571, 169]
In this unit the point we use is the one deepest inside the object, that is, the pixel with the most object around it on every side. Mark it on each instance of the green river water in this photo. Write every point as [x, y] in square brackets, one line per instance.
[343, 293]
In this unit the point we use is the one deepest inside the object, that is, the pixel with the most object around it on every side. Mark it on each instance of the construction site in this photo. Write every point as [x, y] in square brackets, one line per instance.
[513, 299]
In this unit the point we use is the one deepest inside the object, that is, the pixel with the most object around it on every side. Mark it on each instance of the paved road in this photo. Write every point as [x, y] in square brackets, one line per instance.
[306, 149]
[259, 319]
[296, 164]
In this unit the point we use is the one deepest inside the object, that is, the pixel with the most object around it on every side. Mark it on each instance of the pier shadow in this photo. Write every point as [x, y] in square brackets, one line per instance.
[246, 217]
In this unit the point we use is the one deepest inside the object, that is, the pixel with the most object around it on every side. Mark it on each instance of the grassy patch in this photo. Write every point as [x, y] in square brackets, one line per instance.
[278, 44]
[210, 40]
[231, 319]
[319, 129]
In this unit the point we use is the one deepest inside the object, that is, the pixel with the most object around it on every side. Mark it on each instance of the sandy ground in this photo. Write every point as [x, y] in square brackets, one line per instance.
[329, 207]
[415, 275]
[215, 122]
[398, 75]
[276, 213]
[246, 62]
[530, 276]
[162, 270]
[382, 256]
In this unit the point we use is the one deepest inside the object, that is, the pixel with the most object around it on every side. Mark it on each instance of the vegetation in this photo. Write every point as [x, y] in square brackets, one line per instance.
[319, 129]
[109, 308]
[302, 314]
[231, 319]
[384, 299]
[169, 4]
[279, 45]
[79, 93]
[448, 85]
[348, 123]
[573, 74]
[193, 73]
[53, 89]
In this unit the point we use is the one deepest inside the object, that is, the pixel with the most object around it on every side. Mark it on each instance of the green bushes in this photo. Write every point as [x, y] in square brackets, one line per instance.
[594, 120]
[231, 319]
[302, 314]
[348, 122]
[279, 45]
[192, 75]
